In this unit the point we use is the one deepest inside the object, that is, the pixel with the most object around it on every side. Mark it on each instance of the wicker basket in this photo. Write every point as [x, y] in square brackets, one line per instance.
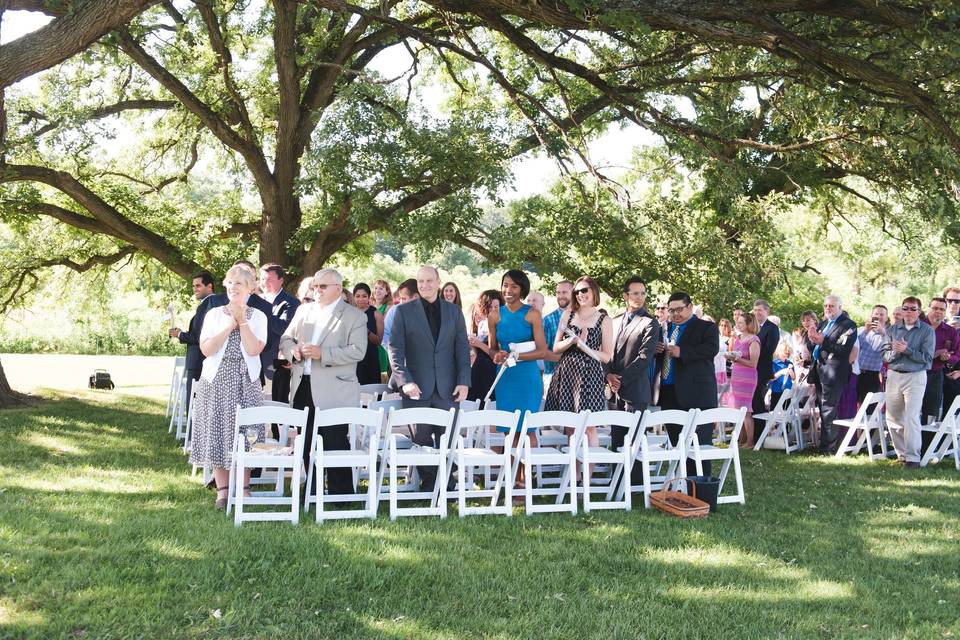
[679, 504]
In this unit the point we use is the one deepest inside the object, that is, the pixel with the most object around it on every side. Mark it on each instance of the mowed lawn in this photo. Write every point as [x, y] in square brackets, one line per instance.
[104, 534]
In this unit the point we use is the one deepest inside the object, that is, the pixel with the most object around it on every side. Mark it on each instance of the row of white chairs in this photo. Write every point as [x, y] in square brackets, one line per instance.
[378, 451]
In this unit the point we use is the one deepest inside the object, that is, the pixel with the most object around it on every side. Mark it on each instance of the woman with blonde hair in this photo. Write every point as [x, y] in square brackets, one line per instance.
[232, 338]
[743, 378]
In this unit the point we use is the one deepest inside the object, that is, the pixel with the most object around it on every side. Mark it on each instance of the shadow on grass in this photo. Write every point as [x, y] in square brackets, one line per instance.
[135, 548]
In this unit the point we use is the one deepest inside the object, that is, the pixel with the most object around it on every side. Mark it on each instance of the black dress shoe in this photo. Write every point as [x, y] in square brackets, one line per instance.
[911, 465]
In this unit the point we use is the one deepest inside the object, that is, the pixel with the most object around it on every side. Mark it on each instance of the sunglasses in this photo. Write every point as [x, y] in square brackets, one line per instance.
[581, 291]
[953, 301]
[910, 308]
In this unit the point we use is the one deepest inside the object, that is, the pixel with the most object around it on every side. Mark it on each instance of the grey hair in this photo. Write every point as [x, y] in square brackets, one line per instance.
[836, 299]
[333, 273]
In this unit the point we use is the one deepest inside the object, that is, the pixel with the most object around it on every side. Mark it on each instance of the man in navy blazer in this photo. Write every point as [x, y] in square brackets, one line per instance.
[687, 378]
[202, 291]
[283, 306]
[769, 336]
[430, 357]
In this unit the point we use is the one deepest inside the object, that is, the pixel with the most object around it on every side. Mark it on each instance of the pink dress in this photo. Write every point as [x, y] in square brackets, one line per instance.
[743, 379]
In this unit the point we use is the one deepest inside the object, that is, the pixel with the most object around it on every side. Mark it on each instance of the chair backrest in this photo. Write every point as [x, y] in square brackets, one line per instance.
[423, 415]
[180, 362]
[276, 415]
[869, 411]
[275, 403]
[374, 389]
[779, 410]
[626, 419]
[470, 422]
[386, 405]
[724, 415]
[469, 405]
[371, 420]
[565, 419]
[951, 413]
[651, 419]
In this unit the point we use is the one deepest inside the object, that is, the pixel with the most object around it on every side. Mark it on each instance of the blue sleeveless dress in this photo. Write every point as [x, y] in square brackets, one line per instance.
[521, 386]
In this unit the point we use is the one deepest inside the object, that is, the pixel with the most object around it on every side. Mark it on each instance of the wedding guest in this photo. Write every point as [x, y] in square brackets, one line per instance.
[578, 381]
[808, 322]
[743, 379]
[769, 335]
[908, 353]
[783, 374]
[451, 293]
[382, 300]
[551, 321]
[232, 339]
[897, 314]
[536, 300]
[946, 352]
[830, 345]
[203, 292]
[305, 291]
[870, 339]
[520, 386]
[482, 370]
[368, 369]
[952, 296]
[283, 306]
[406, 292]
[847, 407]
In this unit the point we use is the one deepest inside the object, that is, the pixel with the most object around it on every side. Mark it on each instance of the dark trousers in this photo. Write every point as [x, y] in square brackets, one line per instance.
[192, 376]
[668, 401]
[828, 397]
[618, 434]
[867, 382]
[280, 391]
[932, 397]
[335, 438]
[428, 435]
[759, 406]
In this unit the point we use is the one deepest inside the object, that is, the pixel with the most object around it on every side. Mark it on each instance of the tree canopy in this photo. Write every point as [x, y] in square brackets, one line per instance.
[200, 130]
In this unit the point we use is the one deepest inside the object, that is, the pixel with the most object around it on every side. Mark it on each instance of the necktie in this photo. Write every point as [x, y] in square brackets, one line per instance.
[816, 350]
[667, 358]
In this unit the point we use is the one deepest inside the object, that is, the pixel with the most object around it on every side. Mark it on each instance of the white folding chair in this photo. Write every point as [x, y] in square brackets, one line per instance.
[783, 423]
[564, 460]
[266, 456]
[372, 393]
[656, 451]
[179, 366]
[621, 462]
[805, 400]
[469, 453]
[418, 455]
[188, 435]
[729, 455]
[869, 419]
[946, 441]
[362, 455]
[178, 411]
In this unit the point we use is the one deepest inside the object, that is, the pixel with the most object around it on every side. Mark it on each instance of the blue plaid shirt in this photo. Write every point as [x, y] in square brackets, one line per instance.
[551, 322]
[870, 358]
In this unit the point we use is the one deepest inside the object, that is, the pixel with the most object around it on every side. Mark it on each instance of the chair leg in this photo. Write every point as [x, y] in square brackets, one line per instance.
[295, 493]
[844, 444]
[646, 482]
[739, 478]
[393, 490]
[443, 486]
[528, 485]
[462, 489]
[311, 465]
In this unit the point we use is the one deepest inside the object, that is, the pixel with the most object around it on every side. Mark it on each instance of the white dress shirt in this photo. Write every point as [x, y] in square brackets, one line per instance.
[319, 315]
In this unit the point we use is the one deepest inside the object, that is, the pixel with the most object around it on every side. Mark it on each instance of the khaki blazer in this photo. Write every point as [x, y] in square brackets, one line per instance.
[343, 342]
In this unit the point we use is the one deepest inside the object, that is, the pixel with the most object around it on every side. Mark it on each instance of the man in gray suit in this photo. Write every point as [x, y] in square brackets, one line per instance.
[635, 349]
[325, 340]
[430, 357]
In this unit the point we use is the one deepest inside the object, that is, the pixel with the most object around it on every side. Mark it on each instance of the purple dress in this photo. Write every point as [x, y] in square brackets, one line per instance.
[743, 379]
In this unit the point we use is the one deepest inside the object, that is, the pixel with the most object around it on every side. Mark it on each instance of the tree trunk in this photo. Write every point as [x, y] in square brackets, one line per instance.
[9, 397]
[281, 218]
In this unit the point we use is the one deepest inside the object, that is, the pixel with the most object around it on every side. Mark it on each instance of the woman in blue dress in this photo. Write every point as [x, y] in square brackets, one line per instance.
[520, 386]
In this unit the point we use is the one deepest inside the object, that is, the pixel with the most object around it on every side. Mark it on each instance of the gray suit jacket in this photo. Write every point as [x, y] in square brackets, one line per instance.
[437, 365]
[634, 351]
[343, 341]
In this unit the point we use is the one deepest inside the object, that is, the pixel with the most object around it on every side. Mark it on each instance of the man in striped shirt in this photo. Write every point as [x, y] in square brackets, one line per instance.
[870, 338]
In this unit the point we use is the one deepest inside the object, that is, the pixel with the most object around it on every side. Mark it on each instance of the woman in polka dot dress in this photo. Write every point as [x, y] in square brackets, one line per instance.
[232, 338]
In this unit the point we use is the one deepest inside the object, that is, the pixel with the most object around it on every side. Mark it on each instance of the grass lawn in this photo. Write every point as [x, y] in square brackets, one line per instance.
[103, 534]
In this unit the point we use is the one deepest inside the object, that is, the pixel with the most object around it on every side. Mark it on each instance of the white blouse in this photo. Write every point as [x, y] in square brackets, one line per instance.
[217, 320]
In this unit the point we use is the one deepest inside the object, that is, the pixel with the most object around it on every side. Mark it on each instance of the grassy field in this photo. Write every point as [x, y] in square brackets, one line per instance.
[103, 534]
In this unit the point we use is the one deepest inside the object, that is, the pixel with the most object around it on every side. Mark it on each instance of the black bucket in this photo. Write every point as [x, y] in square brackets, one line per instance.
[708, 488]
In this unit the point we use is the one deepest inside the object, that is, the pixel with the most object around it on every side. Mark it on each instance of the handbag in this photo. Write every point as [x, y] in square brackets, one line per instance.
[679, 504]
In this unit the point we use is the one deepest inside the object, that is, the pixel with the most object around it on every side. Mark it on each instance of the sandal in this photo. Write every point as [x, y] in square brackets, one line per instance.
[221, 503]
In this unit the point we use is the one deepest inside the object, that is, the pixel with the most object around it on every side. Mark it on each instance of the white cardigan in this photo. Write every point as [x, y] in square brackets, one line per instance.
[216, 321]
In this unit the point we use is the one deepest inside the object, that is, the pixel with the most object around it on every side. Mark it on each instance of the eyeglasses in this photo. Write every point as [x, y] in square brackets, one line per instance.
[323, 287]
[677, 309]
[910, 308]
[581, 291]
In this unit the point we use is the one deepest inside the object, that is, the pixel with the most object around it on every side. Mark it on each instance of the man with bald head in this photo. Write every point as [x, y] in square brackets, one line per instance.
[830, 345]
[430, 357]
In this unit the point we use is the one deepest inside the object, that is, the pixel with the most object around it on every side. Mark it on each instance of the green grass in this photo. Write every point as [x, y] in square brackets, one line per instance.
[103, 534]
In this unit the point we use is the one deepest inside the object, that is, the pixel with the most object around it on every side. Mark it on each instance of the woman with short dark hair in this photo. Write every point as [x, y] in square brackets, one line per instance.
[368, 369]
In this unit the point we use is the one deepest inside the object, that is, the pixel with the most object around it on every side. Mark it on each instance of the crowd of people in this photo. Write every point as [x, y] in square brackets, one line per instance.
[316, 349]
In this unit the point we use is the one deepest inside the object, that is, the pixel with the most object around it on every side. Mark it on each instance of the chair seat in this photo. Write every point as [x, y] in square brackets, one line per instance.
[267, 460]
[354, 457]
[545, 455]
[405, 457]
[474, 453]
[851, 424]
[602, 454]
